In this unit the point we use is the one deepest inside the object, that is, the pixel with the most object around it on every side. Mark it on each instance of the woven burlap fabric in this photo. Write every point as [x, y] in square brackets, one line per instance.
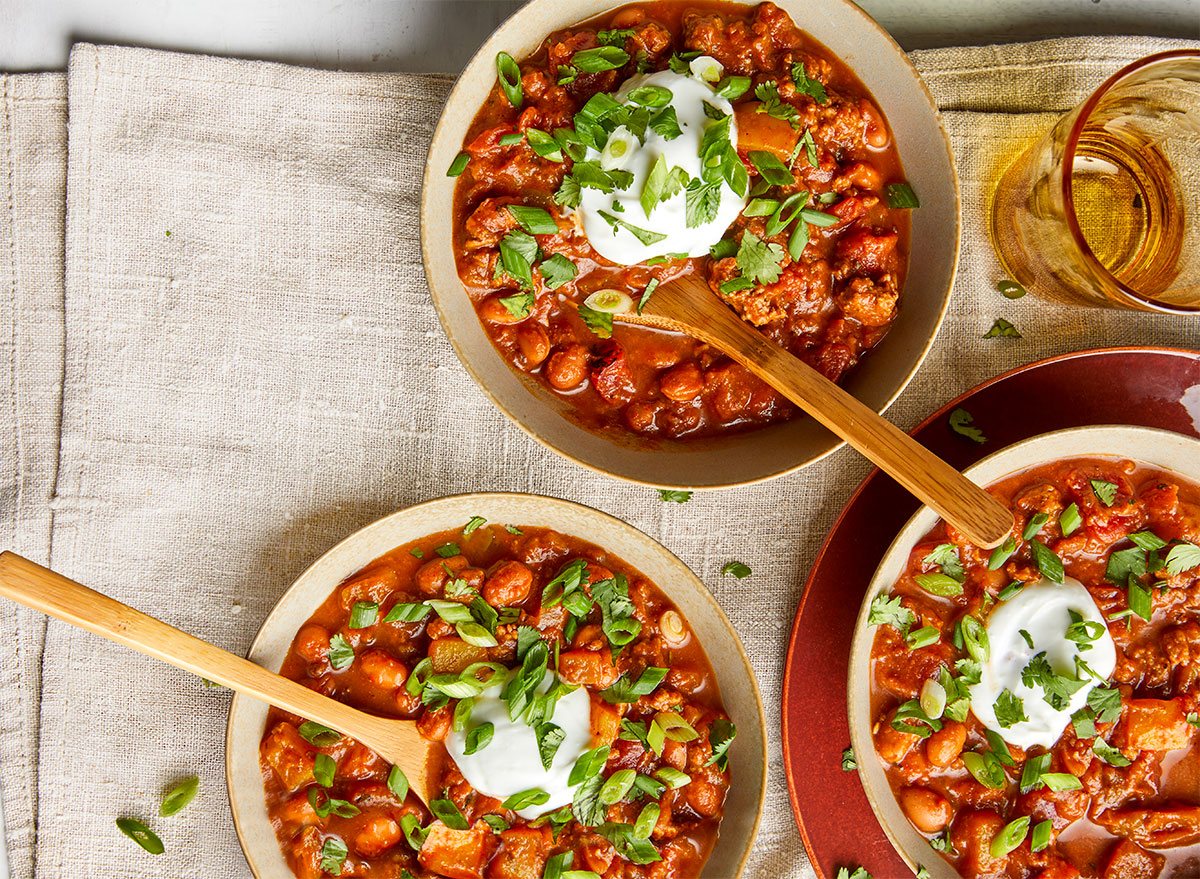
[253, 371]
[33, 169]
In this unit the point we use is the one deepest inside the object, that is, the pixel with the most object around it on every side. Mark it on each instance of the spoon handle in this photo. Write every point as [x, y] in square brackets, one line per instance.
[30, 584]
[983, 519]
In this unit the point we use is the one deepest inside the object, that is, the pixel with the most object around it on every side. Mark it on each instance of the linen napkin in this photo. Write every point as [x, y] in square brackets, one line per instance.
[252, 371]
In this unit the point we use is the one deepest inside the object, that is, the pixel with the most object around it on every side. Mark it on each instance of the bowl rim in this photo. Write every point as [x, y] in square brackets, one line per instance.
[443, 506]
[1001, 464]
[459, 92]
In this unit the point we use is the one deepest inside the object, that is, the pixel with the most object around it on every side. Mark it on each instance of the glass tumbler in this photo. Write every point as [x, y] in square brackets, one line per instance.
[1105, 209]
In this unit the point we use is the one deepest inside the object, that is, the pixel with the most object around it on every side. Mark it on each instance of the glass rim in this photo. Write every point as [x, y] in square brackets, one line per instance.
[1068, 161]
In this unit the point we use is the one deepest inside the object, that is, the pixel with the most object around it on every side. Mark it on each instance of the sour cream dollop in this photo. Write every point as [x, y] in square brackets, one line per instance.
[511, 762]
[626, 152]
[1042, 610]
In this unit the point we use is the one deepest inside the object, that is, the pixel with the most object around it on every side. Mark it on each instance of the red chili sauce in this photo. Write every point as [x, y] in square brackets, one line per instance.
[380, 667]
[829, 307]
[1135, 813]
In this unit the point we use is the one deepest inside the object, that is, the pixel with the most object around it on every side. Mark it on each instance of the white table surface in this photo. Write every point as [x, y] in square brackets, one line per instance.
[441, 35]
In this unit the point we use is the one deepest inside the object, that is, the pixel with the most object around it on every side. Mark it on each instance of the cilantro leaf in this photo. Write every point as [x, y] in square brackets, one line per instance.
[961, 421]
[758, 260]
[1002, 329]
[599, 322]
[703, 199]
[674, 496]
[737, 569]
[1182, 557]
[890, 612]
[946, 556]
[557, 270]
[1009, 709]
[807, 85]
[1105, 491]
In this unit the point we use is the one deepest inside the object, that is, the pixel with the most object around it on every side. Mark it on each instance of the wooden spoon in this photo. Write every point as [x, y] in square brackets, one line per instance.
[397, 741]
[688, 305]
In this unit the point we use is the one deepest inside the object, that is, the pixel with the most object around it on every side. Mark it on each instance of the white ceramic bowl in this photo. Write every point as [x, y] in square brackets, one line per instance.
[735, 677]
[738, 459]
[1159, 448]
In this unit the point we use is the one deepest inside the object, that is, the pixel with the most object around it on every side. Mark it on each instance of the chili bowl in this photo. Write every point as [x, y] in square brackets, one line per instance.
[729, 458]
[1160, 450]
[734, 674]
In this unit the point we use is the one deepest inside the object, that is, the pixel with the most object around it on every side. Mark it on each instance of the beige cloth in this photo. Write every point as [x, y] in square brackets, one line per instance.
[252, 371]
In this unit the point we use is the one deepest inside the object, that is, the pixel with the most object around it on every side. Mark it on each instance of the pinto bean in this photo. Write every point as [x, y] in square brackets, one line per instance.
[508, 584]
[377, 835]
[533, 343]
[943, 747]
[312, 643]
[928, 810]
[567, 367]
[682, 382]
[382, 669]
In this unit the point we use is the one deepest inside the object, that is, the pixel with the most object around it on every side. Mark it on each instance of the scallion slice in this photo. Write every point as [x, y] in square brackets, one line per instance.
[509, 73]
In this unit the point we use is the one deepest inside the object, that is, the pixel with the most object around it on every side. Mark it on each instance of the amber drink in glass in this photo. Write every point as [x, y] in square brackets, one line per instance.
[1105, 209]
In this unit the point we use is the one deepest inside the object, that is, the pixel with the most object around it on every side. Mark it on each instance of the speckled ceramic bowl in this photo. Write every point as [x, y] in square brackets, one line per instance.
[1160, 448]
[735, 677]
[738, 459]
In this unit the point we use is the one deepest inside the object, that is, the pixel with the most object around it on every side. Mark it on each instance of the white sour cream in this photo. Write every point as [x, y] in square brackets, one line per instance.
[1041, 610]
[510, 763]
[669, 217]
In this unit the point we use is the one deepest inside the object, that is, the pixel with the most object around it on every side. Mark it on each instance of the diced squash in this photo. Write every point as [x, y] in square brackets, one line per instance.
[758, 131]
[606, 722]
[1156, 724]
[452, 655]
[588, 668]
[289, 755]
[1128, 860]
[523, 853]
[456, 854]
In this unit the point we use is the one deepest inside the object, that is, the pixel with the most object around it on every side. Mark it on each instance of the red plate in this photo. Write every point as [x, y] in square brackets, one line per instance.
[1140, 386]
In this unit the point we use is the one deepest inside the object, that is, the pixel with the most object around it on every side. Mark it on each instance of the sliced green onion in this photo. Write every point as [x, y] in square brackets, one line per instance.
[672, 777]
[922, 637]
[599, 59]
[523, 799]
[609, 301]
[317, 734]
[646, 821]
[1011, 836]
[458, 165]
[324, 768]
[141, 834]
[397, 783]
[407, 613]
[901, 195]
[479, 738]
[939, 584]
[616, 786]
[179, 796]
[1040, 837]
[534, 220]
[933, 699]
[363, 614]
[544, 145]
[509, 73]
